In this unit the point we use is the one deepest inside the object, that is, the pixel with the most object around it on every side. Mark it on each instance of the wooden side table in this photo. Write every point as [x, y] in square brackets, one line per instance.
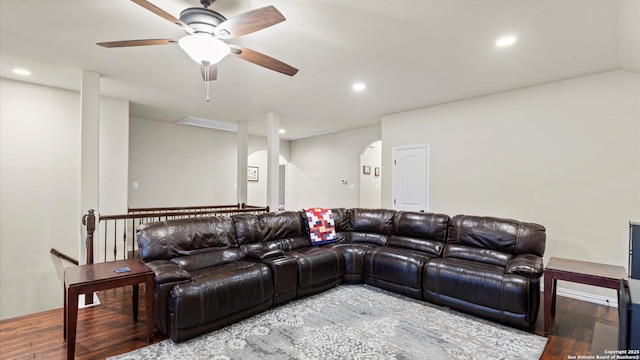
[86, 279]
[607, 276]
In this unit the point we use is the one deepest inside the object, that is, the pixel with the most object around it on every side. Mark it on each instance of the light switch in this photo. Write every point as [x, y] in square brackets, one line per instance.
[135, 184]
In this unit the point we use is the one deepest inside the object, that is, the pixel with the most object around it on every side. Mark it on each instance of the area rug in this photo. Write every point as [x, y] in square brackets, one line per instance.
[354, 322]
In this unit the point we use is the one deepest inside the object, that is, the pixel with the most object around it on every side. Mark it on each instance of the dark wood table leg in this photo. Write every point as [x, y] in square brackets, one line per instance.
[134, 301]
[65, 311]
[553, 297]
[148, 305]
[72, 321]
[548, 294]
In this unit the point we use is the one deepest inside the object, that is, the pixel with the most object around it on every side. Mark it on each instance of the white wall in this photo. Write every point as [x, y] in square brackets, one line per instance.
[180, 165]
[114, 155]
[319, 163]
[40, 188]
[39, 191]
[565, 155]
[628, 23]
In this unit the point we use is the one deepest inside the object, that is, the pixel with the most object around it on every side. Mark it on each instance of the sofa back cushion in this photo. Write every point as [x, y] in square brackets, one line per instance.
[170, 238]
[371, 226]
[425, 232]
[248, 233]
[287, 230]
[341, 220]
[493, 240]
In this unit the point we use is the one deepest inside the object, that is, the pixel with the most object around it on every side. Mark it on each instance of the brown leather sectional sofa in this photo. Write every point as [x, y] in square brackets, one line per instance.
[211, 272]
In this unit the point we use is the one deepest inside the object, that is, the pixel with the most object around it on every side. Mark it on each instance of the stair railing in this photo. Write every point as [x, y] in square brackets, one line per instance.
[118, 232]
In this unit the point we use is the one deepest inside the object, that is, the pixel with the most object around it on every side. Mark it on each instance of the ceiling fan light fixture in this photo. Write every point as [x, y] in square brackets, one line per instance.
[204, 49]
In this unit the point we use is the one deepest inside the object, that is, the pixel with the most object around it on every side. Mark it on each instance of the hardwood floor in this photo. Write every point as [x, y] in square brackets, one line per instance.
[104, 330]
[107, 329]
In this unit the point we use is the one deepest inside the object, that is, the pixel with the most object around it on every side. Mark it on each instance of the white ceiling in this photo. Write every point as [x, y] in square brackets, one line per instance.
[411, 54]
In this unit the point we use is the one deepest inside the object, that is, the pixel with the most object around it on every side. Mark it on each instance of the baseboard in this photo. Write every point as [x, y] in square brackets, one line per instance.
[81, 304]
[579, 295]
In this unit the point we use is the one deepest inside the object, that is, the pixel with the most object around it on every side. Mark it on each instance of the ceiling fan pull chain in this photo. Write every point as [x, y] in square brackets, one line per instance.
[206, 77]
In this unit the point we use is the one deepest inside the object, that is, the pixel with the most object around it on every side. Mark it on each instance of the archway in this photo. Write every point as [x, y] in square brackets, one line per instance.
[370, 179]
[257, 189]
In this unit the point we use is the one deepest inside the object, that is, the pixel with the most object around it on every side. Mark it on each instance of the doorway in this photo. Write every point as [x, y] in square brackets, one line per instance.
[410, 178]
[257, 189]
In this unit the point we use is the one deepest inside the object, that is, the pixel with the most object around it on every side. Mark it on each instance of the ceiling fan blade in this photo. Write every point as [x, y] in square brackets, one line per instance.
[163, 14]
[145, 42]
[213, 72]
[248, 22]
[263, 60]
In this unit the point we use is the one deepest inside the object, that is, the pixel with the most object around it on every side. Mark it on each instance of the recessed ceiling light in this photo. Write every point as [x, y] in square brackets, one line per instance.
[19, 71]
[359, 86]
[282, 131]
[506, 41]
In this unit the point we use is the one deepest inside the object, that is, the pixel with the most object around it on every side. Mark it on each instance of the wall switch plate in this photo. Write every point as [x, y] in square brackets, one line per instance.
[135, 184]
[352, 187]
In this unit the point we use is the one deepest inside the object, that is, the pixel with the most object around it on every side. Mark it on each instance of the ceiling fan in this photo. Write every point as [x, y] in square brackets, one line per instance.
[206, 29]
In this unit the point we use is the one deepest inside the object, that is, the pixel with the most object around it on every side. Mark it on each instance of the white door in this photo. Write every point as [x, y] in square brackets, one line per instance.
[410, 179]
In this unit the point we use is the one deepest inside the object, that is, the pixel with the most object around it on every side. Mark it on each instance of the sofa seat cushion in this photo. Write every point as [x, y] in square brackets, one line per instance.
[476, 283]
[317, 265]
[476, 254]
[395, 265]
[208, 259]
[219, 292]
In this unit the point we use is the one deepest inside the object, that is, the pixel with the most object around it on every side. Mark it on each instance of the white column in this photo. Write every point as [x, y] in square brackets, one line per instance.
[273, 160]
[243, 154]
[90, 148]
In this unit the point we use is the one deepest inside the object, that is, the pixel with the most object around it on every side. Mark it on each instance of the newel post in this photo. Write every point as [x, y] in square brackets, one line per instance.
[89, 220]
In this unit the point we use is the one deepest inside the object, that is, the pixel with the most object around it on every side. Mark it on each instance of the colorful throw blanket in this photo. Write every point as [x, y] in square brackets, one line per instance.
[322, 228]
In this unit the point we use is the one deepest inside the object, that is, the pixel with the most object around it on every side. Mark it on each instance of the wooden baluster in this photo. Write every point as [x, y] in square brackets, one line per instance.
[105, 241]
[135, 238]
[115, 241]
[124, 240]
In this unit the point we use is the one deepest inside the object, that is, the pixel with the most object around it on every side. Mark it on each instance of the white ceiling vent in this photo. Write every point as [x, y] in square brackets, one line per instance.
[209, 124]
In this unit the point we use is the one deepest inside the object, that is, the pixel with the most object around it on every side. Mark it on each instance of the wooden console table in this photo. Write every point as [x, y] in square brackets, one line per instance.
[86, 279]
[607, 276]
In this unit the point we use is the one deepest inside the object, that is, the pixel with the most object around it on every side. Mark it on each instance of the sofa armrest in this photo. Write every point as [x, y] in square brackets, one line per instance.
[266, 254]
[528, 265]
[165, 272]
